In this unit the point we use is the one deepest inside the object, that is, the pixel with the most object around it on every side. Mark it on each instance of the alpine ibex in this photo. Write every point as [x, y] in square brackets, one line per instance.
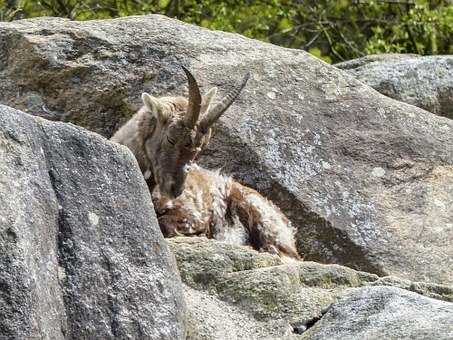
[218, 207]
[166, 133]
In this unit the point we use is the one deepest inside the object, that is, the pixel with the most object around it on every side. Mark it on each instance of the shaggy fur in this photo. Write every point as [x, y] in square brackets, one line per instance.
[218, 207]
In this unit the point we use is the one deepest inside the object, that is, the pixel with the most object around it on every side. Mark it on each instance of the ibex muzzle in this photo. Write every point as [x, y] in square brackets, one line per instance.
[169, 132]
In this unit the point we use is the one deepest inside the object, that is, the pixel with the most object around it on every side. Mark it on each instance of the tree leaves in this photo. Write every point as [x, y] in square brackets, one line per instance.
[331, 30]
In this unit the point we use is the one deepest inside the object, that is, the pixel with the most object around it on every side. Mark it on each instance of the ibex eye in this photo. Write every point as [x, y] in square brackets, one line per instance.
[172, 142]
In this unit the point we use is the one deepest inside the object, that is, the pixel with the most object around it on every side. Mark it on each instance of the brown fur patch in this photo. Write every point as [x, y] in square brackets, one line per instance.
[211, 205]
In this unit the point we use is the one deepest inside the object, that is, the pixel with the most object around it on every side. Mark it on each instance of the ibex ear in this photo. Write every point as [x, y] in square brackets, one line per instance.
[152, 104]
[207, 99]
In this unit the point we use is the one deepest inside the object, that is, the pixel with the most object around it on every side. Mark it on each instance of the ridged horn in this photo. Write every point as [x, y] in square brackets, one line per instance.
[213, 114]
[193, 110]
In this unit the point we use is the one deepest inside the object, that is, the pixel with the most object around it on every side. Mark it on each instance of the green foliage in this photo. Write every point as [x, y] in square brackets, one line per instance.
[331, 30]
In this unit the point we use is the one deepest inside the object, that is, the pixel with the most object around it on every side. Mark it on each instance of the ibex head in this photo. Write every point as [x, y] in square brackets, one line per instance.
[182, 130]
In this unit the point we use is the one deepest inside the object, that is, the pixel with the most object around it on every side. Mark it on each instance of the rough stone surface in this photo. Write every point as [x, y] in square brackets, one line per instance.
[353, 63]
[436, 291]
[384, 313]
[202, 262]
[368, 180]
[81, 254]
[259, 284]
[426, 82]
[211, 318]
[234, 292]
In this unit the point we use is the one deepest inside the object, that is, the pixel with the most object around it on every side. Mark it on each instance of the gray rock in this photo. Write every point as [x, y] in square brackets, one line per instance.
[203, 262]
[436, 291]
[211, 318]
[234, 292]
[384, 313]
[355, 63]
[81, 254]
[368, 180]
[426, 82]
[257, 285]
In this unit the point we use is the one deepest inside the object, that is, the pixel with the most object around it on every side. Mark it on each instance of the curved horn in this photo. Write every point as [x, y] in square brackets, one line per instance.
[193, 110]
[213, 114]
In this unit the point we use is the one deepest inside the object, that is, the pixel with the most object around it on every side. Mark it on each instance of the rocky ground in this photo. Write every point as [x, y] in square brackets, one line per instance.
[239, 293]
[367, 180]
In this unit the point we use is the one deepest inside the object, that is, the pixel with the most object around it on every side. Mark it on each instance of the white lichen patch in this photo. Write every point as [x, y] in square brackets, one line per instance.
[334, 89]
[271, 95]
[61, 274]
[326, 165]
[378, 172]
[93, 218]
[439, 203]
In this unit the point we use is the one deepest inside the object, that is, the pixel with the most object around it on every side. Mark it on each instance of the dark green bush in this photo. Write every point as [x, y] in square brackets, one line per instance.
[332, 30]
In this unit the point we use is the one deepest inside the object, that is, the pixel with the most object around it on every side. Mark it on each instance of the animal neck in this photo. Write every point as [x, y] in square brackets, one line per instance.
[147, 124]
